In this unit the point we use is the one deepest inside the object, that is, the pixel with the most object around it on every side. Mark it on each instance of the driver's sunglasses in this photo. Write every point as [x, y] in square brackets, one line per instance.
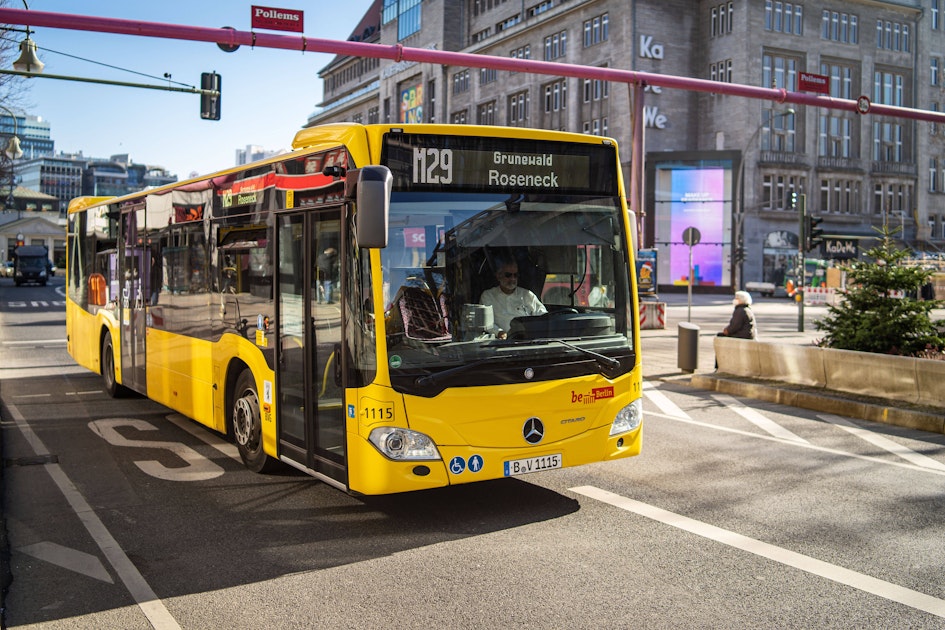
[510, 275]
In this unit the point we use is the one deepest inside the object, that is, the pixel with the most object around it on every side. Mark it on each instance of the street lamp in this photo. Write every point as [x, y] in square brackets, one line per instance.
[12, 151]
[739, 238]
[28, 61]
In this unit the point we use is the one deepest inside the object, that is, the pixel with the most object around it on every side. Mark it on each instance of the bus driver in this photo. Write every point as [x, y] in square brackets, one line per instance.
[508, 300]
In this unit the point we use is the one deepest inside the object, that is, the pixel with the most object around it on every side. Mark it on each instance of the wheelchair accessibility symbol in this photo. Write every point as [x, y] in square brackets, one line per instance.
[458, 465]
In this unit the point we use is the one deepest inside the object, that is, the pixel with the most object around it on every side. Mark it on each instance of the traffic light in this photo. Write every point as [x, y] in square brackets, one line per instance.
[813, 235]
[209, 103]
[739, 255]
[793, 200]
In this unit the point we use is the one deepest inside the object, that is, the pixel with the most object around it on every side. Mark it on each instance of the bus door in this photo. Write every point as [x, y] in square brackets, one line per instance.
[311, 420]
[132, 274]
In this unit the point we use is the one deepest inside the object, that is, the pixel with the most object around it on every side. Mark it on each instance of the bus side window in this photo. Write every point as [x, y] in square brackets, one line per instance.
[97, 289]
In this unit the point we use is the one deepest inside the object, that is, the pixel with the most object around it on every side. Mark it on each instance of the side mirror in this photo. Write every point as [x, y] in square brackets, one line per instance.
[374, 185]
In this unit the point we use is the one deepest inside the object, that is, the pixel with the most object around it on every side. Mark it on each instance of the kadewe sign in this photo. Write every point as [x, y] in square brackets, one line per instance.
[277, 19]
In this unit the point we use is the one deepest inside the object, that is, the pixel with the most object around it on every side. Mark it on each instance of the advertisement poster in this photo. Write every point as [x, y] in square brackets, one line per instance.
[411, 104]
[698, 201]
[646, 272]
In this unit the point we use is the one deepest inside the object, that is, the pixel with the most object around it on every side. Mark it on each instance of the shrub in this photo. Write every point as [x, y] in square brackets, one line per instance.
[878, 312]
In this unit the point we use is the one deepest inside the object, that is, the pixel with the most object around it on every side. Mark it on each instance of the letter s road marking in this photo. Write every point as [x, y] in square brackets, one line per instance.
[198, 468]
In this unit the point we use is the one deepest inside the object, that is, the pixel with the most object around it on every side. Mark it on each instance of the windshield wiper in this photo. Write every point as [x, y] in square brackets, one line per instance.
[433, 379]
[603, 361]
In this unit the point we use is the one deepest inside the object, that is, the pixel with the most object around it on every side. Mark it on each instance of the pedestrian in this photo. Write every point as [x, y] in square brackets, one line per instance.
[742, 324]
[326, 266]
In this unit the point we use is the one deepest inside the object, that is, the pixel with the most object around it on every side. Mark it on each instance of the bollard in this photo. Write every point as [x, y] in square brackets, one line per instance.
[688, 350]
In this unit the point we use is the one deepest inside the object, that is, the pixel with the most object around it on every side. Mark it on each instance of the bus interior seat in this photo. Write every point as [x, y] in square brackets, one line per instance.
[423, 315]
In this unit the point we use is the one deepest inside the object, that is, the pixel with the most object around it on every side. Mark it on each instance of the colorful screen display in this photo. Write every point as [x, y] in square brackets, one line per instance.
[698, 201]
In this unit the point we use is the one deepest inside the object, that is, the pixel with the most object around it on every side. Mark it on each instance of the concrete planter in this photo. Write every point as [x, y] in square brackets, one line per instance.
[906, 379]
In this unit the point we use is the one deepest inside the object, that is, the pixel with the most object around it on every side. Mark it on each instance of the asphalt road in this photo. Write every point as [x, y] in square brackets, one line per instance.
[738, 514]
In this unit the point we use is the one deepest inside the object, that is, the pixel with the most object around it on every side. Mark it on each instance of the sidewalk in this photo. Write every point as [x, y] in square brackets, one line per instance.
[778, 322]
[776, 318]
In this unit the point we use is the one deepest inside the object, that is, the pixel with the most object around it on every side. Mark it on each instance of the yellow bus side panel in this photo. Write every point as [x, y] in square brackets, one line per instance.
[83, 332]
[180, 375]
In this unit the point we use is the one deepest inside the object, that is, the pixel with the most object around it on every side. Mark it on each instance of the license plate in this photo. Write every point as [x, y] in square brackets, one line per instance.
[532, 464]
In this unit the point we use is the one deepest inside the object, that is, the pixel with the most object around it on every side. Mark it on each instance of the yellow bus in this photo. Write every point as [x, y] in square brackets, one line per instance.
[323, 307]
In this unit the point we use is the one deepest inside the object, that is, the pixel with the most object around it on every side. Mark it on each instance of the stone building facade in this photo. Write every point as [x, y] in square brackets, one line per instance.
[748, 163]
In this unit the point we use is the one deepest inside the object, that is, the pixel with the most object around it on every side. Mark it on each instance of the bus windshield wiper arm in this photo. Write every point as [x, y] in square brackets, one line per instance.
[432, 379]
[602, 360]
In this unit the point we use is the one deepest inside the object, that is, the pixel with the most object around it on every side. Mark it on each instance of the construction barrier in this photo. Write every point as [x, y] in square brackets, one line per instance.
[652, 314]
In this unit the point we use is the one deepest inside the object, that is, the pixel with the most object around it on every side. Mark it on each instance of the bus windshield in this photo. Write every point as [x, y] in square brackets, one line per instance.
[448, 251]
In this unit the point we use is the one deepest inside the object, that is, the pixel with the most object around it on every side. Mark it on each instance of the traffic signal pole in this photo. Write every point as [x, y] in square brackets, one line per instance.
[802, 267]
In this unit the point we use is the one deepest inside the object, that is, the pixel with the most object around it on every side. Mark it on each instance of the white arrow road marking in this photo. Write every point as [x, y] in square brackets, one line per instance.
[884, 443]
[866, 583]
[765, 424]
[72, 559]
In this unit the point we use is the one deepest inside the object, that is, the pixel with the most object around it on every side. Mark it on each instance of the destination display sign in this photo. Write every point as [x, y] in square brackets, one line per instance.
[502, 165]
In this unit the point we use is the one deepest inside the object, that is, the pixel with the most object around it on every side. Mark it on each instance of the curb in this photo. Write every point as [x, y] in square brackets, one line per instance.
[923, 419]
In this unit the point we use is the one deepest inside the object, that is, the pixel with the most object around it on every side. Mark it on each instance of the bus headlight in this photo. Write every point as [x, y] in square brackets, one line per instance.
[397, 443]
[628, 418]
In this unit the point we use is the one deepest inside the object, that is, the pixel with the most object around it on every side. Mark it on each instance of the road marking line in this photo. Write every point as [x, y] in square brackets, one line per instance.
[813, 447]
[662, 401]
[883, 442]
[34, 396]
[841, 575]
[203, 434]
[68, 558]
[152, 607]
[760, 421]
[33, 342]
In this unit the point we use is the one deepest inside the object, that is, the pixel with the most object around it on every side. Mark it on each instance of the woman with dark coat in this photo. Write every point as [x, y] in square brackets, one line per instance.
[742, 324]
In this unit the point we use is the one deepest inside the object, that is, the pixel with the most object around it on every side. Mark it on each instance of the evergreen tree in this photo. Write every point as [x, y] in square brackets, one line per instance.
[871, 319]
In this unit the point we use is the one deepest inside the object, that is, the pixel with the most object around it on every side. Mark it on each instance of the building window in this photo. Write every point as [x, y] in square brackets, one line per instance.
[887, 142]
[721, 71]
[595, 90]
[933, 174]
[431, 101]
[540, 8]
[458, 118]
[784, 17]
[779, 71]
[461, 82]
[596, 30]
[556, 46]
[892, 36]
[487, 75]
[841, 79]
[935, 15]
[889, 88]
[933, 71]
[522, 52]
[373, 115]
[840, 27]
[482, 35]
[407, 14]
[722, 18]
[891, 199]
[778, 131]
[485, 114]
[509, 23]
[776, 189]
[518, 109]
[835, 138]
[556, 96]
[839, 196]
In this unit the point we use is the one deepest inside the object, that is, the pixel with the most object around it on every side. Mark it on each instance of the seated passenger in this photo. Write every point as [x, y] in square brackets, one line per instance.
[508, 300]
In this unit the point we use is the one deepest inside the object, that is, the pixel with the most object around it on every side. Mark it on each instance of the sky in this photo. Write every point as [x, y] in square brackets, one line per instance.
[267, 94]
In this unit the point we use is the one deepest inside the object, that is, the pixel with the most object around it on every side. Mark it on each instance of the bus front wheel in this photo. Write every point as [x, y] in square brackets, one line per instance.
[247, 424]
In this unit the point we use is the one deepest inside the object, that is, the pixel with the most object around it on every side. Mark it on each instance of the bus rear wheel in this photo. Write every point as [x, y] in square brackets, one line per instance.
[247, 424]
[112, 388]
